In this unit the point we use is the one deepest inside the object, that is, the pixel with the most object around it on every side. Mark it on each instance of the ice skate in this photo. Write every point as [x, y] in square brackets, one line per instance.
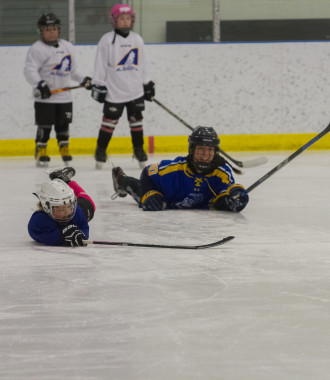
[100, 157]
[65, 153]
[64, 174]
[42, 159]
[117, 173]
[141, 156]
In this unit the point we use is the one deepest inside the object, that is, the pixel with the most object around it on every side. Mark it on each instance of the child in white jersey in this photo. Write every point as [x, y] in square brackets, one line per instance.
[120, 80]
[50, 65]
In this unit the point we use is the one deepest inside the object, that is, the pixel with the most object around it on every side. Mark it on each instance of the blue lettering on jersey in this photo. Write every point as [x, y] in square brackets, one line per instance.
[63, 68]
[129, 61]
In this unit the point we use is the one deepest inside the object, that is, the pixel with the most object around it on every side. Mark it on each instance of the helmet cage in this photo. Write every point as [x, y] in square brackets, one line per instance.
[120, 9]
[57, 193]
[203, 136]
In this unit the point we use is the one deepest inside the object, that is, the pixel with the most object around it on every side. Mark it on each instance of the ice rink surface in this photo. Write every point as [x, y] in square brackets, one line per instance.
[255, 308]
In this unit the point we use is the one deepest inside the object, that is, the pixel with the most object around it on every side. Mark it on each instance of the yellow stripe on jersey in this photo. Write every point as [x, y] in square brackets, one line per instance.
[149, 194]
[221, 174]
[224, 193]
[184, 167]
[175, 168]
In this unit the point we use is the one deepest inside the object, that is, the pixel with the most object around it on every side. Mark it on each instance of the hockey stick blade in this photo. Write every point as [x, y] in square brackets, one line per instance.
[246, 164]
[254, 162]
[126, 244]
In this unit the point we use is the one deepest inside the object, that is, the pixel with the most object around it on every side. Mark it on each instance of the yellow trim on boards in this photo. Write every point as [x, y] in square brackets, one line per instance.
[169, 144]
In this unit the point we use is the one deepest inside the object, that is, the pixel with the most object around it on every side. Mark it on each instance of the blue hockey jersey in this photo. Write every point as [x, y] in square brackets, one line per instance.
[43, 229]
[181, 187]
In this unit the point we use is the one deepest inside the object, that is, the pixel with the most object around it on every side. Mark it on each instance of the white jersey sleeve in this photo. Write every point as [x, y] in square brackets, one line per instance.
[120, 65]
[55, 65]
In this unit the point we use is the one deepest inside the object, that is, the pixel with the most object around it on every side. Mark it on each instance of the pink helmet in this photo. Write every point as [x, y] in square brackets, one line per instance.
[120, 9]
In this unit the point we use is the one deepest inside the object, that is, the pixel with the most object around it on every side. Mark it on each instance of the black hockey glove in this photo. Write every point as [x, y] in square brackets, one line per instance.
[42, 90]
[73, 237]
[149, 91]
[153, 200]
[99, 93]
[235, 199]
[87, 83]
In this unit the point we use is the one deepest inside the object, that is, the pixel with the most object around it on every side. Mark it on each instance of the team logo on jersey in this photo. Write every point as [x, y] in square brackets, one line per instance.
[198, 182]
[129, 61]
[191, 200]
[63, 68]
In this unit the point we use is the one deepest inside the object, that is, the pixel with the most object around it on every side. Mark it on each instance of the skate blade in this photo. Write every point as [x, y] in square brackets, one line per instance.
[42, 164]
[116, 195]
[99, 165]
[142, 165]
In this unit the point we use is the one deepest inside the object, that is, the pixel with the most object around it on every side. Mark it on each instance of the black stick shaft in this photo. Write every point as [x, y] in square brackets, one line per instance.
[238, 163]
[290, 158]
[127, 244]
[173, 114]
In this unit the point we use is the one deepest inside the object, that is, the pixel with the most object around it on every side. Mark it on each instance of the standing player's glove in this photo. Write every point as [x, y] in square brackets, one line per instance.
[87, 83]
[42, 90]
[99, 93]
[235, 199]
[153, 200]
[149, 91]
[73, 236]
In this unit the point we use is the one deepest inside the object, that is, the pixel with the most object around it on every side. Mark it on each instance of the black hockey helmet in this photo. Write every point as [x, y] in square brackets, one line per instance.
[45, 20]
[204, 136]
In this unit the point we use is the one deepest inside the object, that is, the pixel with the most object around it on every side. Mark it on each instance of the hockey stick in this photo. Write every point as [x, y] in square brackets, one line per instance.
[125, 244]
[246, 164]
[37, 92]
[66, 89]
[290, 158]
[173, 114]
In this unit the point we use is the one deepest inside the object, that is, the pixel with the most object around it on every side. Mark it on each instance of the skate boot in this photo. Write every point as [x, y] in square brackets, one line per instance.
[141, 156]
[100, 157]
[117, 173]
[42, 159]
[64, 174]
[64, 151]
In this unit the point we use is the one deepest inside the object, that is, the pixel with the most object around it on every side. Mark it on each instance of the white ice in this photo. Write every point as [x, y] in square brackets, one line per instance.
[256, 308]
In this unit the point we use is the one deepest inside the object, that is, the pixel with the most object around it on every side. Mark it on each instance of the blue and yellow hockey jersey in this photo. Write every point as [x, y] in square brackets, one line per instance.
[181, 187]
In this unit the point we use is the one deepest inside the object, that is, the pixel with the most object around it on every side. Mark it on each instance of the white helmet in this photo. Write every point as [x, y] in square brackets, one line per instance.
[57, 193]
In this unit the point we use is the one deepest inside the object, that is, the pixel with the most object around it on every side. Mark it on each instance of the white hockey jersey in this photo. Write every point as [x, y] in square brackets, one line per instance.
[120, 65]
[55, 65]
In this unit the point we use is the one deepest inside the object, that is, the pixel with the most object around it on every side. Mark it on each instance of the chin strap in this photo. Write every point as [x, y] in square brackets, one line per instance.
[124, 32]
[51, 43]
